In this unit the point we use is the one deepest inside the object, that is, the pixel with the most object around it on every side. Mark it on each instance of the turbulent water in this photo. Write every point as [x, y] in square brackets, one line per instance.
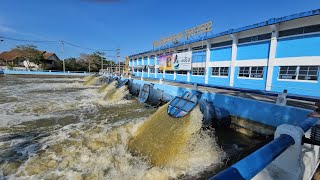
[53, 128]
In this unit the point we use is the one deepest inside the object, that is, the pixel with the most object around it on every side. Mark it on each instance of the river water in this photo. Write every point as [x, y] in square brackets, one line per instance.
[59, 128]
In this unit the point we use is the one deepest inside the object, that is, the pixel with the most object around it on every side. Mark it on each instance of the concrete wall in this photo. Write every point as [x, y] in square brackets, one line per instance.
[258, 111]
[198, 56]
[197, 78]
[220, 54]
[181, 77]
[169, 76]
[250, 83]
[218, 80]
[258, 50]
[299, 46]
[294, 87]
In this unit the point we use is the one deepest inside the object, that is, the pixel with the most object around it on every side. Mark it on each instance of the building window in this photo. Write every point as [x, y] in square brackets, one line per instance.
[152, 70]
[256, 72]
[251, 72]
[169, 72]
[182, 72]
[255, 38]
[199, 47]
[220, 71]
[301, 30]
[244, 72]
[215, 71]
[288, 72]
[307, 73]
[220, 44]
[198, 71]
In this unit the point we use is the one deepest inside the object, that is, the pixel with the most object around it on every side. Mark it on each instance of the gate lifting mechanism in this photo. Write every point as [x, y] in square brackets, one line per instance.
[181, 106]
[155, 97]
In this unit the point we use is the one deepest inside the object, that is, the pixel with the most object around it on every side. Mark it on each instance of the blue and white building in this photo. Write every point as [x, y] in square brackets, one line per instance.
[281, 53]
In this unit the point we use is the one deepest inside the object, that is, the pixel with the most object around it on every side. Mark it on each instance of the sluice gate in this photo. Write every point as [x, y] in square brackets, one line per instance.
[291, 126]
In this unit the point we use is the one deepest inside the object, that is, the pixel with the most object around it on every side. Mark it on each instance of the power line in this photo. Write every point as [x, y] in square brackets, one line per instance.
[86, 48]
[24, 40]
[58, 42]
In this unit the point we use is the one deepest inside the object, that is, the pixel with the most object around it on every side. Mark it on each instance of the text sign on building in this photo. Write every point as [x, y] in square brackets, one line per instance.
[177, 61]
[203, 28]
[182, 61]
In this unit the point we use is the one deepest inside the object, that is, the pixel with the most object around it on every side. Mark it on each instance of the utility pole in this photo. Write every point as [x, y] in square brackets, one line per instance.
[101, 62]
[89, 64]
[118, 56]
[63, 64]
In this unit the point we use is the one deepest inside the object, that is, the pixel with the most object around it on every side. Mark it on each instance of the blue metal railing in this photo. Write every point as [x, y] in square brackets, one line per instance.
[251, 165]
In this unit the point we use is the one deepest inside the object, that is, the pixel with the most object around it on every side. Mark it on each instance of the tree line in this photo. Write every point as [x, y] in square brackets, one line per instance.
[86, 62]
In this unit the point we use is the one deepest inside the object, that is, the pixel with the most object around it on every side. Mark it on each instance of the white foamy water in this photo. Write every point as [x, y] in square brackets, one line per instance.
[50, 129]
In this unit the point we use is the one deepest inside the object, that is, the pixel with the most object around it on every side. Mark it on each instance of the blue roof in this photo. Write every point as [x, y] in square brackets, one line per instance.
[231, 31]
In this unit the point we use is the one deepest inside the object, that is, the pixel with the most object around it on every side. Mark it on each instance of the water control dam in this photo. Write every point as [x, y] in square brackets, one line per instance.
[118, 128]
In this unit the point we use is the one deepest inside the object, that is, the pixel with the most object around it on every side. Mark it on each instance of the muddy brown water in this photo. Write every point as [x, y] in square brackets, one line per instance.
[59, 128]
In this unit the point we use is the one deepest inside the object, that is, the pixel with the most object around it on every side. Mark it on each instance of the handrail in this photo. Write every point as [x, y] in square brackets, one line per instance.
[251, 165]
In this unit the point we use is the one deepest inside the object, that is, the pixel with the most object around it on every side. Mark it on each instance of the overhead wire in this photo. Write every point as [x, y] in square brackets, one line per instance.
[58, 41]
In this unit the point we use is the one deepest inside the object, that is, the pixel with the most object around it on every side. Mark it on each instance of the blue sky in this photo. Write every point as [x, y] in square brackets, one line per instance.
[131, 25]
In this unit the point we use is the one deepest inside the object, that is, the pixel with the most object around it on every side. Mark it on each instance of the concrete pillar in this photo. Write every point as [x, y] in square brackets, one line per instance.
[156, 67]
[290, 161]
[174, 72]
[272, 55]
[206, 78]
[188, 72]
[142, 62]
[233, 57]
[148, 66]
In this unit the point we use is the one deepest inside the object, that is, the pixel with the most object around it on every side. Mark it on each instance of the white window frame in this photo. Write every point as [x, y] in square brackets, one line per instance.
[198, 71]
[297, 75]
[250, 69]
[219, 71]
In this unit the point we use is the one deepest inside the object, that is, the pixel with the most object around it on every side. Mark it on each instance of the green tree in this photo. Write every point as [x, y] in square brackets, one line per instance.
[30, 53]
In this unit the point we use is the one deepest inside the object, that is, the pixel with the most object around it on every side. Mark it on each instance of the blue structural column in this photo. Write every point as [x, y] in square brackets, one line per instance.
[233, 57]
[272, 55]
[206, 78]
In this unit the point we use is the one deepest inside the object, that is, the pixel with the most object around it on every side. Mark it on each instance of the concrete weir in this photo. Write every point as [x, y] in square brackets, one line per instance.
[284, 157]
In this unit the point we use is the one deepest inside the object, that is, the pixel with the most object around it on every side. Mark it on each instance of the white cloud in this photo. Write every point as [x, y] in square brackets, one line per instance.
[7, 29]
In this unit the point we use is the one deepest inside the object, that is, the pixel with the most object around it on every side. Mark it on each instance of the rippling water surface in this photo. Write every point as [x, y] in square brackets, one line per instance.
[59, 128]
